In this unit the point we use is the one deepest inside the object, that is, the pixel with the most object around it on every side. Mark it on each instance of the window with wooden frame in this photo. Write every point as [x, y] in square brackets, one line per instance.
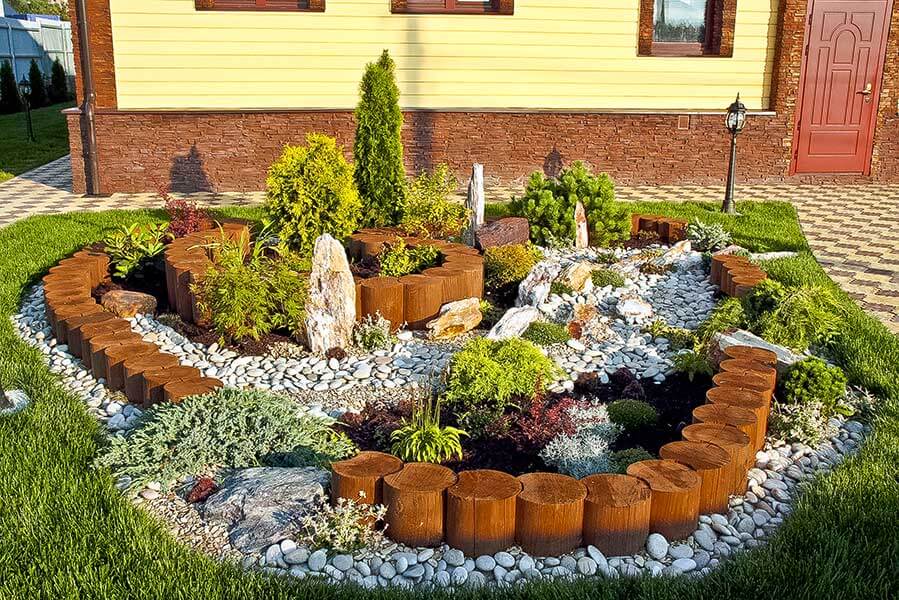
[687, 27]
[262, 5]
[482, 7]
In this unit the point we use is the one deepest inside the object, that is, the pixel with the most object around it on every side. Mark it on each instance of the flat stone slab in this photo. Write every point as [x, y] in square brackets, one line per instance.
[264, 505]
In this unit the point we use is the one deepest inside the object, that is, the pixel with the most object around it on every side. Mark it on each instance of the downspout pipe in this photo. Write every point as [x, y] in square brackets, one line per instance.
[88, 103]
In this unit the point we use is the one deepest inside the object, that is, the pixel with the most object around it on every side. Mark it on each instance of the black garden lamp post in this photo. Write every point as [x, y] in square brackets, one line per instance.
[736, 119]
[25, 92]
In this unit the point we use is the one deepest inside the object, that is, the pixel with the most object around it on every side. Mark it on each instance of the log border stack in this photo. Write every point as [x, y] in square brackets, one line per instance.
[670, 231]
[415, 299]
[106, 344]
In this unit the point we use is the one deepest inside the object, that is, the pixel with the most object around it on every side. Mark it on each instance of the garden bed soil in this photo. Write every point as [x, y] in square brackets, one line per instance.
[506, 447]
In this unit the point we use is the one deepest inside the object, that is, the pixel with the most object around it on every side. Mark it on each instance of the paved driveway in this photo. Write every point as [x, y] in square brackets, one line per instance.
[851, 229]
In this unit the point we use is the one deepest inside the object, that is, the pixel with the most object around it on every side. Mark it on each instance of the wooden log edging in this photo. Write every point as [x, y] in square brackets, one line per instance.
[415, 299]
[669, 230]
[105, 343]
[483, 512]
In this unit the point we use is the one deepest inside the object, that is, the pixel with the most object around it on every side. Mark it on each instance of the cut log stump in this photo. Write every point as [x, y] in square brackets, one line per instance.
[616, 513]
[75, 324]
[746, 380]
[759, 355]
[422, 298]
[733, 441]
[134, 368]
[98, 344]
[416, 499]
[176, 391]
[154, 382]
[675, 496]
[361, 478]
[116, 356]
[748, 399]
[741, 418]
[480, 512]
[549, 515]
[735, 365]
[714, 467]
[383, 295]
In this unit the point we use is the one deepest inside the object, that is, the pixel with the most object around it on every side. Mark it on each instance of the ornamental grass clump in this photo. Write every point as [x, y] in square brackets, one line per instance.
[310, 191]
[549, 205]
[378, 148]
[421, 438]
[227, 428]
[486, 377]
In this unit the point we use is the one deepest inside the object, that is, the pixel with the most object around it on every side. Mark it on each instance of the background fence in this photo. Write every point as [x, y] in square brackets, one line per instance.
[43, 40]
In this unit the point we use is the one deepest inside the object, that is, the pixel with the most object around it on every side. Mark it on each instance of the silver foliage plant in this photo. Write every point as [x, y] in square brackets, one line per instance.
[708, 237]
[587, 450]
[346, 526]
[227, 428]
[805, 423]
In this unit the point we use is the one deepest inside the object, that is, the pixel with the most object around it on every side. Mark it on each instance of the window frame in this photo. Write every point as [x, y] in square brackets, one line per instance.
[258, 6]
[451, 7]
[719, 33]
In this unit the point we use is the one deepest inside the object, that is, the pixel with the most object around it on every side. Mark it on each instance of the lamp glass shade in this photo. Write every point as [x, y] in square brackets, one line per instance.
[736, 116]
[24, 86]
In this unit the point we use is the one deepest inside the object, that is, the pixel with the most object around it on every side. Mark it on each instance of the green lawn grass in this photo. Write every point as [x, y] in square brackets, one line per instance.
[66, 533]
[17, 154]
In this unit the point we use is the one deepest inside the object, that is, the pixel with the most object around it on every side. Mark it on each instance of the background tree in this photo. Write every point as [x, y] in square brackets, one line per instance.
[40, 7]
[38, 96]
[59, 87]
[9, 92]
[378, 150]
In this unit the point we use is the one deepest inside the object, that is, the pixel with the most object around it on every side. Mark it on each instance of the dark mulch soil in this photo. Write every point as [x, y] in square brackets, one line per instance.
[505, 448]
[640, 243]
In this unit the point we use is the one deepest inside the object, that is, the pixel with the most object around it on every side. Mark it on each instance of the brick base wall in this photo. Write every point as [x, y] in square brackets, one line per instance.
[231, 151]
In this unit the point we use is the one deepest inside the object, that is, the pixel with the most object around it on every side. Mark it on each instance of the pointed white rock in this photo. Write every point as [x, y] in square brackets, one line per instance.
[331, 308]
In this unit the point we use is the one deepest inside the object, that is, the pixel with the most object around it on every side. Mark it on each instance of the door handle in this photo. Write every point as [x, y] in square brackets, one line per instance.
[867, 90]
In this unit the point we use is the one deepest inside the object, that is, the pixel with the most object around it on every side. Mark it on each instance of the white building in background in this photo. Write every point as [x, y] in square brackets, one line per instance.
[43, 39]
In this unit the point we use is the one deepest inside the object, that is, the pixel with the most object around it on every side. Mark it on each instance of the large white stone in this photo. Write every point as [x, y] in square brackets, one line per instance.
[634, 308]
[576, 275]
[475, 203]
[331, 308]
[785, 356]
[456, 318]
[534, 290]
[514, 323]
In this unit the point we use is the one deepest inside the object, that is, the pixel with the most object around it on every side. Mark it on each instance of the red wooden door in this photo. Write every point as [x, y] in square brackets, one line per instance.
[840, 85]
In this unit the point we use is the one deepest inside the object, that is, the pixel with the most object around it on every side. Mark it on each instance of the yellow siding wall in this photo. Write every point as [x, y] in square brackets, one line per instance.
[552, 54]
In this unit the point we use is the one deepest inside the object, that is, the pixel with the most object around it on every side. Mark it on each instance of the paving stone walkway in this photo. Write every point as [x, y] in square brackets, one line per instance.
[851, 229]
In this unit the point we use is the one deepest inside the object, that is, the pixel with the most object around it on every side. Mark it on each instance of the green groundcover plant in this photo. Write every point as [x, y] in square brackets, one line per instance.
[66, 532]
[225, 428]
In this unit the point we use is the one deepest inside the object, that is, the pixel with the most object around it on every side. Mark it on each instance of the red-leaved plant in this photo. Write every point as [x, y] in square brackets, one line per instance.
[184, 217]
[542, 422]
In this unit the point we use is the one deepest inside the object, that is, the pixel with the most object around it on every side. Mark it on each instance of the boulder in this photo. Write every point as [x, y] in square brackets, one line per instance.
[12, 401]
[514, 323]
[262, 506]
[675, 253]
[576, 275]
[331, 307]
[722, 340]
[634, 308]
[504, 232]
[582, 231]
[456, 318]
[126, 304]
[534, 290]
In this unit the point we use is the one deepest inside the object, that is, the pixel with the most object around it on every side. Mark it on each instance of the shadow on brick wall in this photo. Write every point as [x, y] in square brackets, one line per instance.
[188, 175]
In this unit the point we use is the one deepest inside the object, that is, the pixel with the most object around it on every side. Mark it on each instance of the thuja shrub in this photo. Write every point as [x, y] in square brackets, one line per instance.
[37, 97]
[378, 148]
[59, 85]
[632, 415]
[310, 191]
[485, 377]
[9, 91]
[228, 428]
[549, 205]
[398, 258]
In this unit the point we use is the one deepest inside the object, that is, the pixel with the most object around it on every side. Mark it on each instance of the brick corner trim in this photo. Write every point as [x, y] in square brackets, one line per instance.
[721, 19]
[99, 27]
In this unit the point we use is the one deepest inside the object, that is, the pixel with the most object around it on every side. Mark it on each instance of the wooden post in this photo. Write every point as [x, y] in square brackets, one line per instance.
[714, 467]
[116, 356]
[734, 365]
[675, 496]
[759, 355]
[361, 478]
[549, 517]
[480, 512]
[745, 381]
[176, 391]
[736, 443]
[154, 382]
[133, 370]
[741, 418]
[475, 204]
[616, 513]
[383, 295]
[748, 399]
[416, 498]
